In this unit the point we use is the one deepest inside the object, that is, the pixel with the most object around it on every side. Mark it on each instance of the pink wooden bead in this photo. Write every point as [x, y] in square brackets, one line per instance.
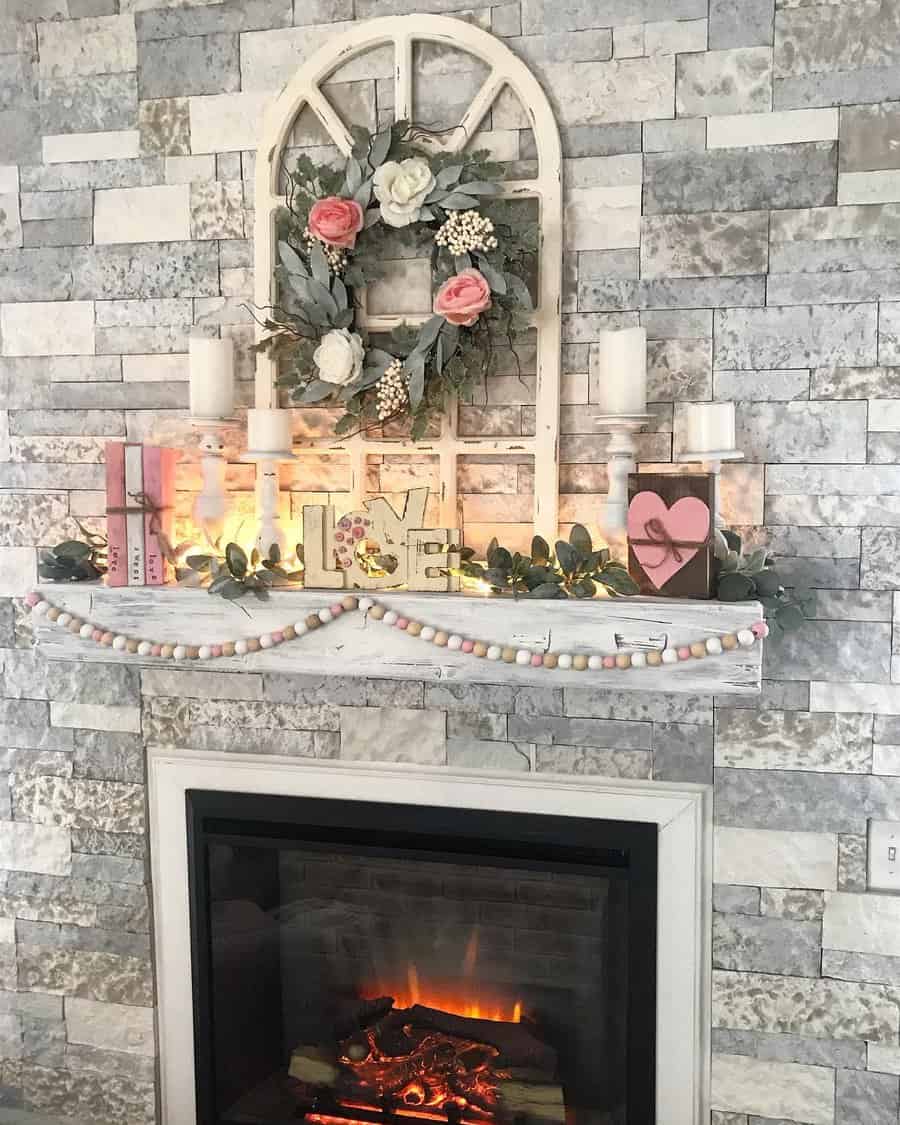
[216, 650]
[278, 636]
[401, 622]
[684, 653]
[97, 635]
[537, 660]
[467, 646]
[760, 629]
[32, 599]
[337, 609]
[156, 650]
[609, 662]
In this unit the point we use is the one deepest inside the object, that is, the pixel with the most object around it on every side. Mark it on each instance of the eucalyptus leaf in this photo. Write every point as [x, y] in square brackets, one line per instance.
[567, 556]
[363, 194]
[518, 289]
[495, 278]
[426, 215]
[480, 187]
[428, 333]
[72, 549]
[291, 260]
[353, 175]
[339, 292]
[457, 201]
[317, 390]
[378, 357]
[319, 264]
[617, 580]
[790, 617]
[198, 562]
[231, 590]
[236, 559]
[379, 148]
[580, 539]
[735, 588]
[414, 365]
[448, 176]
[768, 583]
[540, 550]
[372, 217]
[463, 262]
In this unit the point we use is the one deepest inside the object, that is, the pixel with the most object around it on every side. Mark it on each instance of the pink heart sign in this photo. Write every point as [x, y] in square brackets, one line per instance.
[669, 531]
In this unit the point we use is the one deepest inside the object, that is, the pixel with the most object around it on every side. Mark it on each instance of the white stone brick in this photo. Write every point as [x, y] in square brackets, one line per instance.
[869, 187]
[757, 857]
[880, 699]
[35, 847]
[227, 122]
[883, 1059]
[154, 368]
[862, 923]
[47, 328]
[746, 130]
[628, 41]
[596, 93]
[96, 716]
[884, 415]
[103, 45]
[9, 178]
[73, 147]
[142, 214]
[886, 760]
[603, 218]
[394, 734]
[110, 1027]
[604, 171]
[270, 58]
[18, 571]
[784, 1091]
[10, 223]
[670, 37]
[190, 169]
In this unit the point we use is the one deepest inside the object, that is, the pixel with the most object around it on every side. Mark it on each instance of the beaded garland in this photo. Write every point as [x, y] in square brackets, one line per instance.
[508, 654]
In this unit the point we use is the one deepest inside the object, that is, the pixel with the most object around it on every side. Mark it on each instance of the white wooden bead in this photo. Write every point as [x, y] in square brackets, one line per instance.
[390, 618]
[86, 631]
[325, 615]
[204, 654]
[494, 652]
[365, 604]
[670, 656]
[745, 638]
[638, 660]
[565, 660]
[240, 648]
[64, 620]
[455, 642]
[427, 633]
[180, 652]
[119, 642]
[145, 648]
[523, 657]
[300, 627]
[595, 662]
[713, 646]
[265, 641]
[40, 610]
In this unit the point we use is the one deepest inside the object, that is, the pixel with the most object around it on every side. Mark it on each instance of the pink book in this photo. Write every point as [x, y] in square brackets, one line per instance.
[117, 552]
[154, 563]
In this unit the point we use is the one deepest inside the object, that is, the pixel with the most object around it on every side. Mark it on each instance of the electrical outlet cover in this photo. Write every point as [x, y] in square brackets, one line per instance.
[884, 856]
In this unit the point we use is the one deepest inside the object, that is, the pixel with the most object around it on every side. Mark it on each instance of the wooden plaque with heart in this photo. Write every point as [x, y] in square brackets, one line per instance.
[670, 542]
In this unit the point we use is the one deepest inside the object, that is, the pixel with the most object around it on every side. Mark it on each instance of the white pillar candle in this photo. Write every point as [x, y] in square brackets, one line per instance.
[710, 427]
[621, 368]
[269, 431]
[211, 377]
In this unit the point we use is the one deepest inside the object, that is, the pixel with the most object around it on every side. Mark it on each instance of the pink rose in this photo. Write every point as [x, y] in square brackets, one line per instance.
[462, 298]
[336, 221]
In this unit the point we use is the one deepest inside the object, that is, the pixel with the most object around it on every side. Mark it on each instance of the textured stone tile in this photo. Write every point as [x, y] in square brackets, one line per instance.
[471, 725]
[31, 847]
[217, 210]
[596, 140]
[790, 1048]
[230, 16]
[100, 104]
[113, 1027]
[93, 976]
[880, 568]
[201, 684]
[103, 1096]
[729, 899]
[839, 335]
[852, 856]
[773, 945]
[29, 519]
[740, 179]
[588, 760]
[854, 382]
[666, 293]
[197, 64]
[61, 232]
[741, 23]
[89, 939]
[868, 137]
[871, 967]
[684, 135]
[599, 218]
[158, 214]
[836, 37]
[794, 740]
[682, 752]
[881, 699]
[47, 328]
[764, 857]
[91, 841]
[555, 730]
[575, 15]
[470, 697]
[717, 243]
[475, 753]
[799, 906]
[108, 756]
[732, 81]
[165, 127]
[393, 734]
[95, 716]
[76, 803]
[823, 1009]
[673, 37]
[20, 140]
[869, 187]
[89, 46]
[871, 258]
[226, 122]
[622, 90]
[883, 1060]
[762, 386]
[773, 1089]
[862, 923]
[10, 223]
[798, 126]
[834, 288]
[873, 1098]
[600, 703]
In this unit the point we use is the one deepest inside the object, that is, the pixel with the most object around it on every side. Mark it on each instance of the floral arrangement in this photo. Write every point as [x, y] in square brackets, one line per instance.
[744, 577]
[331, 239]
[75, 560]
[232, 573]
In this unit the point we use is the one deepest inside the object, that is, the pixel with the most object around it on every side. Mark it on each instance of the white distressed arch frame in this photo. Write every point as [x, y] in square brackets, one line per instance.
[305, 89]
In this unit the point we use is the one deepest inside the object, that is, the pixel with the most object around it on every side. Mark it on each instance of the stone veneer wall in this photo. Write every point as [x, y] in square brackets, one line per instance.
[734, 185]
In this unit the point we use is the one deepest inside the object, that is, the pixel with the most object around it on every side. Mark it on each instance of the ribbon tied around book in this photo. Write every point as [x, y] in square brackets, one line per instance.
[143, 504]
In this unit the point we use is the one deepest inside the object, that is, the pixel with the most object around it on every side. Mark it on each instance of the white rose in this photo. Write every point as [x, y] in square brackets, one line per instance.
[401, 190]
[339, 357]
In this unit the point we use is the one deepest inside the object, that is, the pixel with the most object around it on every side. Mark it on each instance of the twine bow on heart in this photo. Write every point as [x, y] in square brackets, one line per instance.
[665, 539]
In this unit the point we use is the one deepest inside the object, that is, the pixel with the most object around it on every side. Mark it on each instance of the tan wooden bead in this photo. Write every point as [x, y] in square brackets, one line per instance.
[107, 639]
[729, 642]
[193, 652]
[350, 602]
[313, 622]
[441, 638]
[580, 662]
[290, 633]
[480, 649]
[551, 660]
[131, 645]
[253, 644]
[376, 613]
[508, 656]
[53, 613]
[698, 650]
[654, 659]
[623, 660]
[228, 648]
[75, 625]
[167, 651]
[414, 628]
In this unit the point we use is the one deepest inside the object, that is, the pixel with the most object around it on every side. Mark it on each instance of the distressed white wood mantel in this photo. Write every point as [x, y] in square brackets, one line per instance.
[356, 646]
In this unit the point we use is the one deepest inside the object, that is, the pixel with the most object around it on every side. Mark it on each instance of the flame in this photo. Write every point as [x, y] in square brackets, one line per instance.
[458, 1002]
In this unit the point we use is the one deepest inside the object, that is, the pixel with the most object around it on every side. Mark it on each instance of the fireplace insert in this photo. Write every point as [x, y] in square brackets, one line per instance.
[365, 963]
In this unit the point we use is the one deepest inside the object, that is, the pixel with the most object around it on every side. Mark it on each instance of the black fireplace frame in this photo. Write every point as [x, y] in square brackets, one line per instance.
[544, 842]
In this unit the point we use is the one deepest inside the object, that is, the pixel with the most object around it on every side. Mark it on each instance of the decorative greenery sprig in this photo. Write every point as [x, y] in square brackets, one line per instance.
[741, 577]
[232, 574]
[576, 571]
[75, 560]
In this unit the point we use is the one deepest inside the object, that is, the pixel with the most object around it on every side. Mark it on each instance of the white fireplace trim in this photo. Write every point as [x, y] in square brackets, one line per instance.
[682, 812]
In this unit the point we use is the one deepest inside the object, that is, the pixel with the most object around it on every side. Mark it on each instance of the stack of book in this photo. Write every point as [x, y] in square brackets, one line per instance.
[140, 498]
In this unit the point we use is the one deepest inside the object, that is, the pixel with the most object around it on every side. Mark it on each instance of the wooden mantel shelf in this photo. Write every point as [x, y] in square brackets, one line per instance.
[354, 646]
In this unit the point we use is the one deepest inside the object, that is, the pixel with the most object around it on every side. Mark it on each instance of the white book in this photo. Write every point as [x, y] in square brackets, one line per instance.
[134, 522]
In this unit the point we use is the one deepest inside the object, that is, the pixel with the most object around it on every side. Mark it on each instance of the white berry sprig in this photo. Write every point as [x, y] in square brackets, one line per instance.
[391, 394]
[465, 231]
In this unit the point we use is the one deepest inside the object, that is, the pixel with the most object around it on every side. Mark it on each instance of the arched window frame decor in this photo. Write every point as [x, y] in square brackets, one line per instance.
[505, 69]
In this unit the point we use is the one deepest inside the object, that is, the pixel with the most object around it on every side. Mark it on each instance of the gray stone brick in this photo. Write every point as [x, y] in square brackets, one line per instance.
[302, 690]
[873, 1098]
[800, 431]
[796, 337]
[475, 753]
[474, 725]
[230, 16]
[77, 803]
[730, 899]
[470, 697]
[86, 938]
[723, 82]
[831, 651]
[802, 175]
[108, 756]
[869, 253]
[58, 1093]
[99, 104]
[798, 906]
[790, 1048]
[665, 293]
[393, 693]
[861, 967]
[393, 735]
[574, 15]
[91, 841]
[197, 64]
[682, 752]
[852, 856]
[539, 701]
[834, 288]
[92, 174]
[713, 243]
[592, 140]
[772, 945]
[587, 760]
[57, 232]
[165, 127]
[868, 137]
[685, 135]
[555, 730]
[839, 37]
[660, 707]
[741, 23]
[843, 87]
[880, 566]
[93, 976]
[20, 136]
[762, 386]
[18, 85]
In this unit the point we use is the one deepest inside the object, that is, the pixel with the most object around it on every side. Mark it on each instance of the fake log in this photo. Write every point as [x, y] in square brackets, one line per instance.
[532, 1102]
[314, 1065]
[516, 1043]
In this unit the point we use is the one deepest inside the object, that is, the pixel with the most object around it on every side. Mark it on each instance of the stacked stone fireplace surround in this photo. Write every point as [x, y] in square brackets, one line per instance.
[759, 251]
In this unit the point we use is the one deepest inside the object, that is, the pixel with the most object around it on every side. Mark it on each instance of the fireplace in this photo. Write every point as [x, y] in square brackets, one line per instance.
[363, 945]
[360, 962]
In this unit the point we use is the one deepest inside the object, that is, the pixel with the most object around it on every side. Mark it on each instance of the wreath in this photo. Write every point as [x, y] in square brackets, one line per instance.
[332, 234]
